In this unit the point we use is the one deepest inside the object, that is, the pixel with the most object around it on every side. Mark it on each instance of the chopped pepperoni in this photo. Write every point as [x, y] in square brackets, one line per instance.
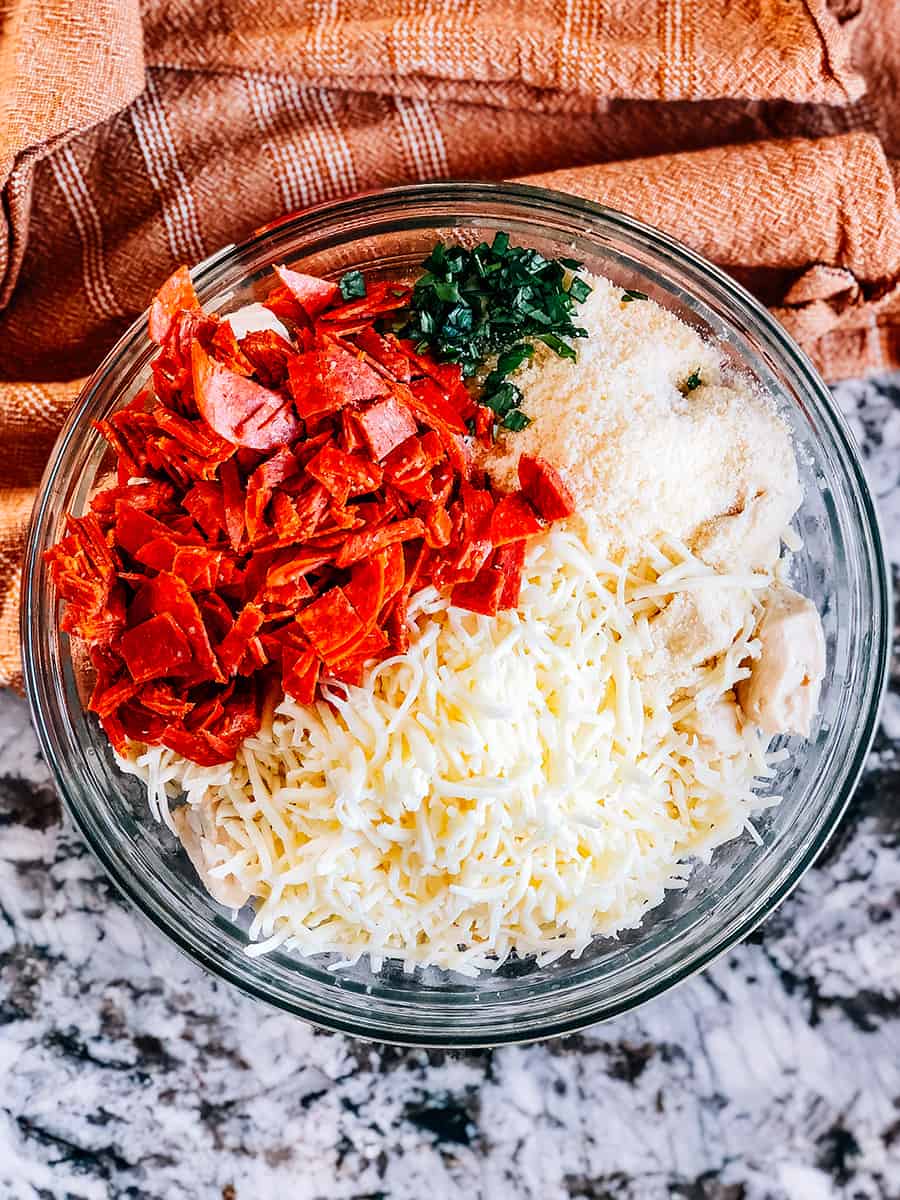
[386, 425]
[344, 474]
[276, 504]
[155, 648]
[543, 486]
[312, 293]
[482, 594]
[513, 519]
[331, 624]
[238, 409]
[175, 295]
[326, 379]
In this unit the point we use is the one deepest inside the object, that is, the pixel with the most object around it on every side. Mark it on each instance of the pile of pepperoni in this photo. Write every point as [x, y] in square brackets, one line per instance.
[277, 504]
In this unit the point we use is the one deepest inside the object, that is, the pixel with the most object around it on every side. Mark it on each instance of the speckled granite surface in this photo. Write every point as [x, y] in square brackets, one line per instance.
[126, 1072]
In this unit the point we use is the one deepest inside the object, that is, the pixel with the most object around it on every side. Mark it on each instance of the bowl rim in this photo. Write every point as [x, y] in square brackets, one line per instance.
[741, 302]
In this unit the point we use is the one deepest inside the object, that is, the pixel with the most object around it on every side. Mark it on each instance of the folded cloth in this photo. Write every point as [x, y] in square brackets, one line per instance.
[139, 134]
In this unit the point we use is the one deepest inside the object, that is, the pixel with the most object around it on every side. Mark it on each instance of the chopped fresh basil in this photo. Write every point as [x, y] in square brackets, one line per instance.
[693, 381]
[516, 421]
[513, 358]
[472, 305]
[563, 349]
[507, 363]
[352, 285]
[504, 398]
[579, 290]
[447, 292]
[632, 294]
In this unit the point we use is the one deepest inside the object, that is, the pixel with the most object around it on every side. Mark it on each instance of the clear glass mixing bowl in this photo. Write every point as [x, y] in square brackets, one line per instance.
[842, 568]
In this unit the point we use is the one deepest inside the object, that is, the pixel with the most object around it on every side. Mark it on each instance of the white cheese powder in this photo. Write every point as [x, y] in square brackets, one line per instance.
[714, 465]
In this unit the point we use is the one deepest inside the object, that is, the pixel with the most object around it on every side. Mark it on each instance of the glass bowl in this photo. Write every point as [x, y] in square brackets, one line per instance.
[841, 567]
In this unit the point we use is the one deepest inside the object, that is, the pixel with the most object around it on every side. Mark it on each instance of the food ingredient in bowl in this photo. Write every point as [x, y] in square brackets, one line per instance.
[713, 464]
[508, 782]
[256, 318]
[569, 698]
[208, 843]
[278, 504]
[782, 692]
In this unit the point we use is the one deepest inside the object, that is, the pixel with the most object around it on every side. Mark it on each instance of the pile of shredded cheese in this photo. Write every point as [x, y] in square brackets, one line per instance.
[527, 781]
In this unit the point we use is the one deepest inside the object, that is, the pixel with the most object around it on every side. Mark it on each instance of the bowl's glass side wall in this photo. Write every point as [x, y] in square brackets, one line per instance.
[840, 569]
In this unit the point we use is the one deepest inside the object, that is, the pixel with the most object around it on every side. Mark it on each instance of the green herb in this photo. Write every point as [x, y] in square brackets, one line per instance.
[632, 294]
[472, 305]
[504, 398]
[693, 381]
[563, 349]
[572, 263]
[515, 421]
[579, 290]
[448, 292]
[352, 285]
[507, 362]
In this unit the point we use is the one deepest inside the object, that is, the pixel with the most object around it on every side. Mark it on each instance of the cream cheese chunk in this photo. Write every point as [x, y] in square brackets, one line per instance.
[719, 726]
[782, 692]
[751, 536]
[255, 318]
[208, 844]
[693, 628]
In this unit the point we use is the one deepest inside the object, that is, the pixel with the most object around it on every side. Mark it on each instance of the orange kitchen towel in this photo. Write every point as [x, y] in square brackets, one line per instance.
[138, 134]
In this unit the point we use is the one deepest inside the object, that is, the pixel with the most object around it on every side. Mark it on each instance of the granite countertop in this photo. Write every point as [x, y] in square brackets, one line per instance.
[775, 1075]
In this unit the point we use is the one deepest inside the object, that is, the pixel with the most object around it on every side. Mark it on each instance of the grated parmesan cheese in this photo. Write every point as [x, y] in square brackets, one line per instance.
[714, 468]
[510, 782]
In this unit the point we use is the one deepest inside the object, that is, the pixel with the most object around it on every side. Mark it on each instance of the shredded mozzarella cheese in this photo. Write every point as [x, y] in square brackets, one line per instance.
[511, 783]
